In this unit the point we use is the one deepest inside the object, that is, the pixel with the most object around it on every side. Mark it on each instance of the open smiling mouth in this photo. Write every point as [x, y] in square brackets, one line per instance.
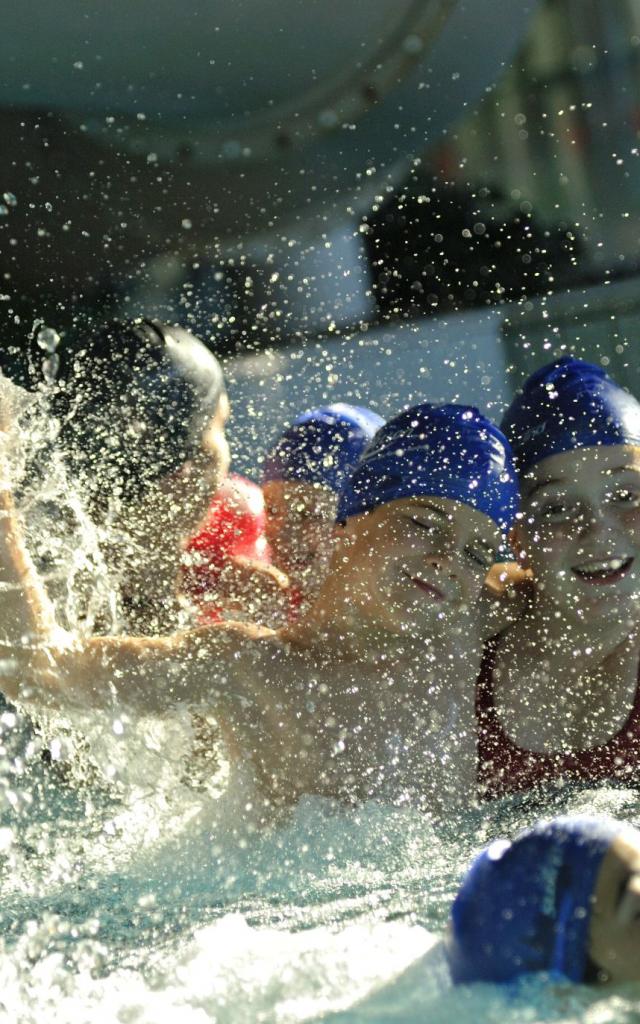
[427, 588]
[606, 571]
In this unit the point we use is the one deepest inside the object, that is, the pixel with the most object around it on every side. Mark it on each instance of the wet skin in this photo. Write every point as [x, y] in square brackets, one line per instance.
[418, 565]
[371, 692]
[299, 528]
[568, 670]
[580, 529]
[614, 935]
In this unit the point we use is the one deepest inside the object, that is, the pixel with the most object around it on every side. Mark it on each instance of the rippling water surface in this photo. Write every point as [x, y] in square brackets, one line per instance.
[144, 899]
[137, 887]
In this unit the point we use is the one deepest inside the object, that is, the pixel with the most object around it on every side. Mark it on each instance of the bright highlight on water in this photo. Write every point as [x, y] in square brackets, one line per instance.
[320, 513]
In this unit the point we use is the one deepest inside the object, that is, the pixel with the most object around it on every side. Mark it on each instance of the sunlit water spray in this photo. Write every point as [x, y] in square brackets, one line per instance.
[141, 886]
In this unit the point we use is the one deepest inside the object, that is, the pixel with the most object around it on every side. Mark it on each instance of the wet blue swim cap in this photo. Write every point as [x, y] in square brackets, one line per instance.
[525, 906]
[322, 446]
[565, 405]
[446, 451]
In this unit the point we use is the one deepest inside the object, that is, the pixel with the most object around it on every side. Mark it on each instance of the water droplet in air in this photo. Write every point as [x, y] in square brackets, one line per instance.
[48, 339]
[412, 44]
[50, 367]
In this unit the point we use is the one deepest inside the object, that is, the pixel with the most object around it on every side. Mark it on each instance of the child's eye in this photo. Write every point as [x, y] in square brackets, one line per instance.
[429, 527]
[624, 496]
[481, 558]
[557, 512]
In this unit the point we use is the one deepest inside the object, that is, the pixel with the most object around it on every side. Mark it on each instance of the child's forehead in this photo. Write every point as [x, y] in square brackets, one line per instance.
[584, 465]
[447, 510]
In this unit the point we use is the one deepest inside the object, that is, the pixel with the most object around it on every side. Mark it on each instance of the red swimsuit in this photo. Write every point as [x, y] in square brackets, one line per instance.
[503, 767]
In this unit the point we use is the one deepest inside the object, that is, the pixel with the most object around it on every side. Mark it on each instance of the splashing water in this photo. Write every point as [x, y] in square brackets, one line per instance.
[140, 887]
[182, 907]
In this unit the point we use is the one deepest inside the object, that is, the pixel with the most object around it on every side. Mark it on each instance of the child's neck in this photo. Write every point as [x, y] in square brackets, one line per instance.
[546, 631]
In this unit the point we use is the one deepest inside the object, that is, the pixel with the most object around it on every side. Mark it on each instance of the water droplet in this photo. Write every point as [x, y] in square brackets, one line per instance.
[412, 44]
[48, 339]
[9, 199]
[328, 118]
[50, 367]
[231, 149]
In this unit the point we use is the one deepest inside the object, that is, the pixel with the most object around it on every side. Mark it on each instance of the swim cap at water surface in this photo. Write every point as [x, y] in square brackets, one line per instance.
[134, 399]
[322, 446]
[446, 451]
[565, 405]
[525, 906]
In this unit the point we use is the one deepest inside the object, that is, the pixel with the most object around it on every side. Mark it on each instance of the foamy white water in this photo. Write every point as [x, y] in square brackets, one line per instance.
[139, 887]
[174, 904]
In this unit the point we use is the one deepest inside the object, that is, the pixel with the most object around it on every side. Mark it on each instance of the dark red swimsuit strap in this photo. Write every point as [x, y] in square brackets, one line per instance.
[485, 703]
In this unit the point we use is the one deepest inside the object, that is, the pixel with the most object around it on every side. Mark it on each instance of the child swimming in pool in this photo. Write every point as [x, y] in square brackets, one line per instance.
[559, 694]
[371, 692]
[563, 898]
[141, 407]
[302, 478]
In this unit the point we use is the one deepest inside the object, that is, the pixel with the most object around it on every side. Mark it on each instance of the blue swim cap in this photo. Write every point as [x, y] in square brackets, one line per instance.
[322, 446]
[525, 906]
[565, 405]
[446, 451]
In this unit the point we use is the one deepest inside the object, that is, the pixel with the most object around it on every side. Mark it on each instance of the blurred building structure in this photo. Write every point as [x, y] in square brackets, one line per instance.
[515, 239]
[475, 214]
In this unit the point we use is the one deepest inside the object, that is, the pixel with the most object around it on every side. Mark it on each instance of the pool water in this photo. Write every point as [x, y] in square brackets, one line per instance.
[140, 897]
[139, 886]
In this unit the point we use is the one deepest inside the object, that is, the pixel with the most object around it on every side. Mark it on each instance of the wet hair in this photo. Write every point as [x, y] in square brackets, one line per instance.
[132, 400]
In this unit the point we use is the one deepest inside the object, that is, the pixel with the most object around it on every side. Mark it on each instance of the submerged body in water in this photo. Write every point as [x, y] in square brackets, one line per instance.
[370, 693]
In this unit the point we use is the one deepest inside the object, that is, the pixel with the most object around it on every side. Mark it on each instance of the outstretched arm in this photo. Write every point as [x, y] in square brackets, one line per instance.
[145, 674]
[26, 613]
[42, 665]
